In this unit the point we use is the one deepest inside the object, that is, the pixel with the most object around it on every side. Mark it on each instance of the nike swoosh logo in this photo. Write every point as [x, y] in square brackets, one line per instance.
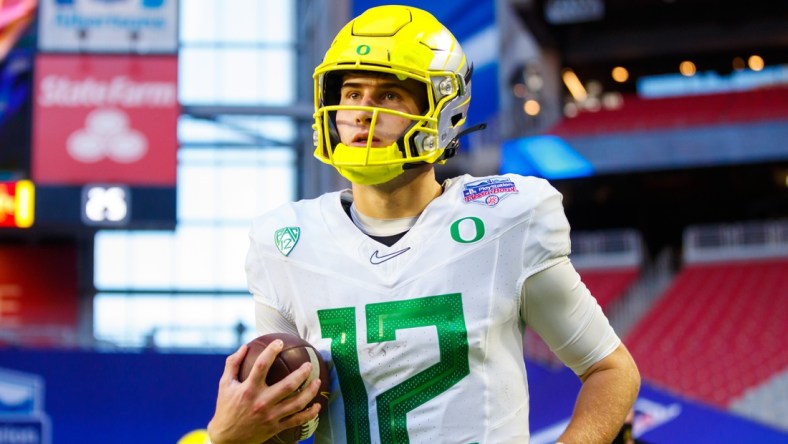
[376, 258]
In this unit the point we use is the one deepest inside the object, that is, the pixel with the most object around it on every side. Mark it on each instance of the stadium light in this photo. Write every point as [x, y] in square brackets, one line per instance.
[687, 68]
[532, 107]
[574, 85]
[755, 62]
[620, 74]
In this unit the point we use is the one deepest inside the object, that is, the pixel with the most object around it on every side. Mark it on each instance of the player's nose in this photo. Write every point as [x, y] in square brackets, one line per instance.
[363, 116]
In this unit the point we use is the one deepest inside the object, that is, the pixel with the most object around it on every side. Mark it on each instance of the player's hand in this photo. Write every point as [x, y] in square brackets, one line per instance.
[252, 411]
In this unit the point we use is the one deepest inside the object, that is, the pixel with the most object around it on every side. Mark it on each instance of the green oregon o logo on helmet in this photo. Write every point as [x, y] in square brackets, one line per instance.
[363, 49]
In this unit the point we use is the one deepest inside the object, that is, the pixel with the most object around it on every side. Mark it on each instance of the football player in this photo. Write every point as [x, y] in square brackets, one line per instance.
[417, 292]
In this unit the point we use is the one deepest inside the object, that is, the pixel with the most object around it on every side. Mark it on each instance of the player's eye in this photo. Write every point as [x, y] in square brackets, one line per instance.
[351, 95]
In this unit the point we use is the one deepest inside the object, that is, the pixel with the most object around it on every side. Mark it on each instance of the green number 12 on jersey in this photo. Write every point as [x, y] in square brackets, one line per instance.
[383, 320]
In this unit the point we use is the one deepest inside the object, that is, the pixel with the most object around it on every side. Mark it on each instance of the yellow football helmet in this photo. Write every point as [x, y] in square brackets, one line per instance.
[408, 43]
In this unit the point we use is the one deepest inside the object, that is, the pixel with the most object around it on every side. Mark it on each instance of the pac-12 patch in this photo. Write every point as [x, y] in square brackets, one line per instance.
[286, 239]
[489, 191]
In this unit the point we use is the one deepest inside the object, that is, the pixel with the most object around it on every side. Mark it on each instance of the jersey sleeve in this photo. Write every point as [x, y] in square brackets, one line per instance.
[558, 306]
[547, 240]
[258, 277]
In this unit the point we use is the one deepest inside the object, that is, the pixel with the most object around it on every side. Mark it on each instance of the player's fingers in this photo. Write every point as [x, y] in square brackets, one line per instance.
[299, 400]
[291, 383]
[232, 364]
[263, 363]
[300, 418]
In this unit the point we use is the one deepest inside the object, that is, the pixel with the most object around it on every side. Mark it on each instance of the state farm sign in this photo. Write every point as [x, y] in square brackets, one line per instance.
[105, 119]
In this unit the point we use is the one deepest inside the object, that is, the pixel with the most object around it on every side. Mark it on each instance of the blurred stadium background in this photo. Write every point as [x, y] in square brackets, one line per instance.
[139, 137]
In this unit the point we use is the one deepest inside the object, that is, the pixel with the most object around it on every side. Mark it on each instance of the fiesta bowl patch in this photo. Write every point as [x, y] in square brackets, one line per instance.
[488, 191]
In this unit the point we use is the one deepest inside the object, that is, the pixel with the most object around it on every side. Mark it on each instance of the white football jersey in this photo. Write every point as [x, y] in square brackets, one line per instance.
[425, 336]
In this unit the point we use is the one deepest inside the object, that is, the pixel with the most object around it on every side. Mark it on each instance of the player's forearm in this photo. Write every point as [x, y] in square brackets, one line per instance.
[608, 392]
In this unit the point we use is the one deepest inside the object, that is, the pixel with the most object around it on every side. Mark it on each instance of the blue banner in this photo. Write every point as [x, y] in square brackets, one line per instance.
[118, 398]
[127, 398]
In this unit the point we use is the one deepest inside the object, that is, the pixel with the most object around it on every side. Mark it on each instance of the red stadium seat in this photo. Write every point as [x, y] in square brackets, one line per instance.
[638, 114]
[608, 285]
[717, 331]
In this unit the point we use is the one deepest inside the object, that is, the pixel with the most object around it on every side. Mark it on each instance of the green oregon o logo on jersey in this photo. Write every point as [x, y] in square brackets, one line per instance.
[362, 49]
[478, 226]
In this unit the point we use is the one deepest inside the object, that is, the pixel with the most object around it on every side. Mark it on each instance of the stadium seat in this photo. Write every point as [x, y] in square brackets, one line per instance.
[639, 114]
[717, 331]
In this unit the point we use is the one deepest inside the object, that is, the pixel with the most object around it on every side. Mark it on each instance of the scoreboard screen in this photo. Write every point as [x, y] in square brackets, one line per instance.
[24, 205]
[105, 206]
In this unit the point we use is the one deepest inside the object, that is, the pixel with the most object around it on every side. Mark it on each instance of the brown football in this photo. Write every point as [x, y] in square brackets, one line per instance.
[295, 352]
